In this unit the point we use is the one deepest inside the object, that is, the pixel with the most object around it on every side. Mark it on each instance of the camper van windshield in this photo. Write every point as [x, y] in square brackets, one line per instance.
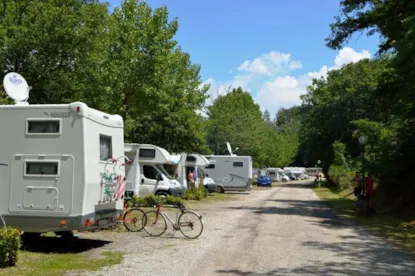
[163, 171]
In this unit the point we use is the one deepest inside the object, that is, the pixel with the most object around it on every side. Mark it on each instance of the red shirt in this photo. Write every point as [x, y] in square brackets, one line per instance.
[369, 184]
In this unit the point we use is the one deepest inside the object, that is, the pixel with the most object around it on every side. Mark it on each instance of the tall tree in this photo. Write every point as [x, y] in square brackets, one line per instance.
[55, 45]
[152, 82]
[266, 116]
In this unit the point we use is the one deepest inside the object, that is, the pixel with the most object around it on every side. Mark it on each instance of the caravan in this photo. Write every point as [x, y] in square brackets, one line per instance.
[277, 174]
[230, 173]
[146, 174]
[52, 162]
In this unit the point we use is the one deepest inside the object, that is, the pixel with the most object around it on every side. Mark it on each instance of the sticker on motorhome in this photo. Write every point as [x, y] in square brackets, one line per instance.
[58, 114]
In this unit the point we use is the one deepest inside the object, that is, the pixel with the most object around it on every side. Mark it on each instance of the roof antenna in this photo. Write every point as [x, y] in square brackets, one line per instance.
[16, 88]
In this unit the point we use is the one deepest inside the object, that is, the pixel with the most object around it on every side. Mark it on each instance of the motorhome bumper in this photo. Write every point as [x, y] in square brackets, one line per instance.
[64, 223]
[176, 191]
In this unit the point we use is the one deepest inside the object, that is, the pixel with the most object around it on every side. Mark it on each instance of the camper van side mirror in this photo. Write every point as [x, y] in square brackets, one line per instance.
[158, 177]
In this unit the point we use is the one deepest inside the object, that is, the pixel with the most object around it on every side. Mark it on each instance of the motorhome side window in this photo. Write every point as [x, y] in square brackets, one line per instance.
[150, 172]
[190, 159]
[35, 126]
[42, 168]
[238, 164]
[148, 153]
[210, 166]
[105, 147]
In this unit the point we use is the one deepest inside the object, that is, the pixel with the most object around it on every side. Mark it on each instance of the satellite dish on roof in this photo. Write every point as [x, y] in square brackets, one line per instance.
[228, 145]
[16, 88]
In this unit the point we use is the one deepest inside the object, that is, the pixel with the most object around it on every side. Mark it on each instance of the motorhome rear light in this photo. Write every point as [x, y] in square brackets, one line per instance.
[120, 217]
[87, 223]
[62, 222]
[78, 108]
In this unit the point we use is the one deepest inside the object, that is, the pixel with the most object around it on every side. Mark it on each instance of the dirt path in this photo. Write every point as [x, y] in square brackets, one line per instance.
[293, 233]
[272, 231]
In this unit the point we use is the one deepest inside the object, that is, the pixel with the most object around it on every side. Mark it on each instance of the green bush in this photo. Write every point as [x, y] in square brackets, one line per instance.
[196, 193]
[9, 246]
[341, 177]
[150, 200]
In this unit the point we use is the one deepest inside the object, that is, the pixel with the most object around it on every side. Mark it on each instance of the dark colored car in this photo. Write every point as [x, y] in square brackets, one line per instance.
[264, 180]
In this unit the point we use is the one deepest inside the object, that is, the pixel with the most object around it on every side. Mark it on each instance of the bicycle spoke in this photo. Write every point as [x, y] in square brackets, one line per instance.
[156, 224]
[133, 220]
[191, 224]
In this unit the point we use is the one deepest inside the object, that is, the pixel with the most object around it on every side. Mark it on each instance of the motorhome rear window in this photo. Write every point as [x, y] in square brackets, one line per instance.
[238, 164]
[210, 166]
[105, 147]
[42, 168]
[148, 153]
[35, 126]
[191, 159]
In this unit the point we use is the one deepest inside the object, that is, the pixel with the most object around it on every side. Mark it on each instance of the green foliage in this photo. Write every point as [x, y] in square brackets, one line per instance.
[341, 177]
[151, 200]
[339, 150]
[126, 62]
[196, 193]
[236, 118]
[372, 98]
[9, 246]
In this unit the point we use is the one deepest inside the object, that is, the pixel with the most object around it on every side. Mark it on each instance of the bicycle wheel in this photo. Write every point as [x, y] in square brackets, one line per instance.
[191, 223]
[155, 225]
[134, 220]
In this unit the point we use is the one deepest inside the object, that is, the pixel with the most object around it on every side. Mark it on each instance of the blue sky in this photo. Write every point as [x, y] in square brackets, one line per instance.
[280, 41]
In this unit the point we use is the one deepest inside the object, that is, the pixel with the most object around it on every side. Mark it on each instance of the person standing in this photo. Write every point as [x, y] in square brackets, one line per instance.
[370, 191]
[190, 180]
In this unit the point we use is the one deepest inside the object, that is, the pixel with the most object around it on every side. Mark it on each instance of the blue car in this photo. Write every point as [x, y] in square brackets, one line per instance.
[264, 180]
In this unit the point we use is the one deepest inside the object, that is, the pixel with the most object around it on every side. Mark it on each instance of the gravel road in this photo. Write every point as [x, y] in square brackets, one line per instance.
[275, 231]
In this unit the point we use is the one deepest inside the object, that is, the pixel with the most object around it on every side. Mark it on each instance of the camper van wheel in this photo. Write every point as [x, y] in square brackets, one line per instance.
[220, 189]
[66, 235]
[162, 193]
[284, 180]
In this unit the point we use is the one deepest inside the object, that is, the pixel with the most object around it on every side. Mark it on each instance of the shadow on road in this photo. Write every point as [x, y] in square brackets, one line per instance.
[306, 208]
[364, 253]
[58, 245]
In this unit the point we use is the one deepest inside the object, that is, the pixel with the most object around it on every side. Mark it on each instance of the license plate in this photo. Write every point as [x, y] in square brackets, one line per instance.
[103, 222]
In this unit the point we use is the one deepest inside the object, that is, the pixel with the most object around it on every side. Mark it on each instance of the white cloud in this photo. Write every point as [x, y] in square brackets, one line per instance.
[348, 55]
[269, 75]
[269, 64]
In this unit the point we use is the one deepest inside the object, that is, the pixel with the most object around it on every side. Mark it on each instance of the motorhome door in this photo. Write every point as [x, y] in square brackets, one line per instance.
[148, 180]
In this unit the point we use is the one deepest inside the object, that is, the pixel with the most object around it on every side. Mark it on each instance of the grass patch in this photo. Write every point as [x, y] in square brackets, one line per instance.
[213, 197]
[399, 232]
[43, 264]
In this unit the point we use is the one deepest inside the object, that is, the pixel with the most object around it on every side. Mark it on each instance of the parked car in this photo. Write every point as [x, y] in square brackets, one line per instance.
[292, 176]
[209, 184]
[264, 180]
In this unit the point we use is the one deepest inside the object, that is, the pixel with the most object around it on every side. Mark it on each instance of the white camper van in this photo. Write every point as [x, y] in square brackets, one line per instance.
[298, 172]
[52, 160]
[277, 174]
[231, 173]
[146, 174]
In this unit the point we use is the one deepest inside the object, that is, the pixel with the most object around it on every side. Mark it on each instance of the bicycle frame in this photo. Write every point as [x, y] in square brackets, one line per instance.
[175, 224]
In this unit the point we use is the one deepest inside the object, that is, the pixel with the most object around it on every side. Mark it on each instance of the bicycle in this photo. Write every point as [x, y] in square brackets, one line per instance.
[153, 217]
[136, 217]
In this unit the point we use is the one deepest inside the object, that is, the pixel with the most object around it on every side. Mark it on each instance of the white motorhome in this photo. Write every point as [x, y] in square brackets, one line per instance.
[298, 172]
[53, 157]
[230, 172]
[146, 174]
[277, 174]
